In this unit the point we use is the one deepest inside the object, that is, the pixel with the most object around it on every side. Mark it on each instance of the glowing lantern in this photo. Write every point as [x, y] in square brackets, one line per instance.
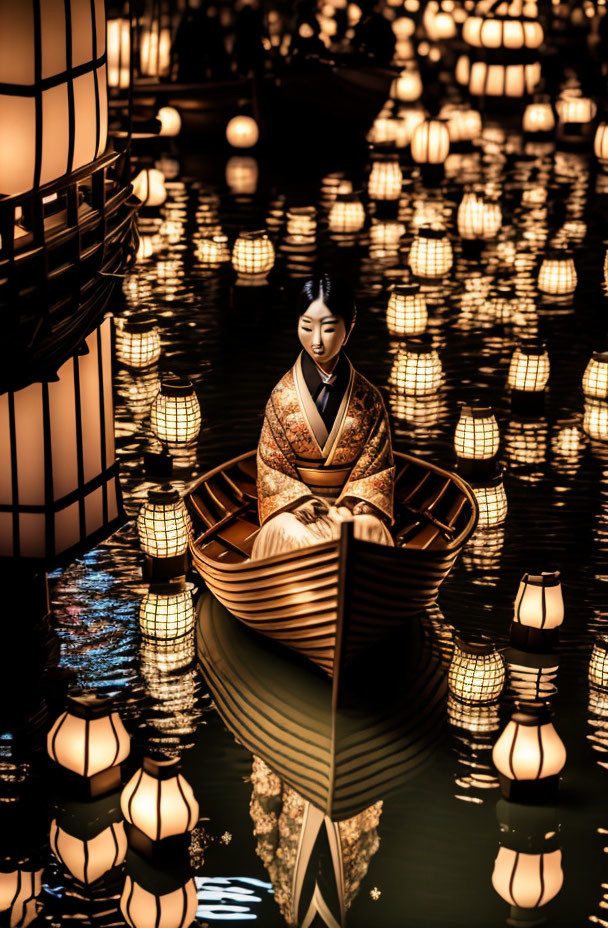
[163, 524]
[155, 49]
[598, 664]
[18, 892]
[242, 175]
[464, 124]
[252, 257]
[492, 501]
[88, 852]
[407, 87]
[385, 179]
[119, 53]
[557, 275]
[406, 313]
[503, 80]
[511, 33]
[575, 110]
[595, 378]
[416, 370]
[175, 416]
[138, 342]
[528, 868]
[213, 250]
[476, 439]
[431, 255]
[143, 907]
[538, 117]
[595, 420]
[242, 132]
[90, 740]
[430, 142]
[529, 755]
[166, 611]
[384, 238]
[478, 218]
[158, 801]
[538, 612]
[53, 101]
[477, 670]
[600, 142]
[302, 221]
[347, 215]
[149, 187]
[170, 121]
[529, 368]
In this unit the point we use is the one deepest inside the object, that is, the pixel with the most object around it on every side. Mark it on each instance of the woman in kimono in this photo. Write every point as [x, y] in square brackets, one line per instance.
[325, 452]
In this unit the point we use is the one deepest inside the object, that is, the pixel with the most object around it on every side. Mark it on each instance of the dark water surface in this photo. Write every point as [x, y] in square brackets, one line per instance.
[429, 848]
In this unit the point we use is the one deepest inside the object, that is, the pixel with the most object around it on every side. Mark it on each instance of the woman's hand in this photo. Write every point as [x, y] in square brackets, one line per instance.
[364, 509]
[311, 511]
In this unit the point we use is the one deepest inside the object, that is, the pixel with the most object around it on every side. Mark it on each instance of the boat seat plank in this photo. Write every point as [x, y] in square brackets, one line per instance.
[411, 491]
[245, 485]
[239, 534]
[234, 490]
[221, 553]
[217, 493]
[203, 511]
[425, 538]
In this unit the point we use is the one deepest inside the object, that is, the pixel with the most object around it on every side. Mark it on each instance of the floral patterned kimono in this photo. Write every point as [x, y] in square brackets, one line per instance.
[304, 466]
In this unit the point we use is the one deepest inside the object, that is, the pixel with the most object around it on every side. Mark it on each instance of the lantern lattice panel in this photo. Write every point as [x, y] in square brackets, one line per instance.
[529, 371]
[431, 254]
[476, 673]
[476, 436]
[385, 180]
[416, 373]
[164, 528]
[406, 313]
[595, 378]
[175, 419]
[598, 664]
[164, 614]
[253, 254]
[137, 345]
[53, 94]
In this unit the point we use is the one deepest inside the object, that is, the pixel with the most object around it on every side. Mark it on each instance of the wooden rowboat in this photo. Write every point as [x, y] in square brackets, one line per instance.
[334, 600]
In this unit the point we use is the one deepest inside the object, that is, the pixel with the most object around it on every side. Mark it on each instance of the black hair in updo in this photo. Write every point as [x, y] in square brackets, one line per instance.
[337, 296]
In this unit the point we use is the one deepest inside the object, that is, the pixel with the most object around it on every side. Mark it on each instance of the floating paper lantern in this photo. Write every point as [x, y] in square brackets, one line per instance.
[529, 368]
[213, 250]
[119, 53]
[347, 215]
[430, 142]
[253, 257]
[155, 49]
[477, 670]
[464, 124]
[138, 342]
[529, 755]
[53, 101]
[503, 80]
[538, 612]
[408, 86]
[158, 801]
[557, 275]
[141, 907]
[302, 221]
[385, 178]
[478, 217]
[492, 501]
[406, 313]
[431, 253]
[242, 175]
[167, 611]
[90, 740]
[149, 187]
[600, 142]
[572, 109]
[476, 437]
[595, 420]
[538, 117]
[175, 416]
[598, 664]
[170, 121]
[163, 524]
[416, 370]
[508, 32]
[242, 132]
[528, 868]
[595, 378]
[88, 858]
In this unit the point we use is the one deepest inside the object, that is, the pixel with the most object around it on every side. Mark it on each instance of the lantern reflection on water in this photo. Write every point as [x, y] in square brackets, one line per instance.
[477, 670]
[598, 663]
[406, 313]
[158, 801]
[595, 420]
[529, 755]
[242, 175]
[19, 890]
[478, 217]
[88, 848]
[163, 525]
[166, 611]
[346, 215]
[137, 342]
[213, 250]
[538, 117]
[538, 611]
[142, 907]
[416, 370]
[492, 501]
[474, 727]
[531, 676]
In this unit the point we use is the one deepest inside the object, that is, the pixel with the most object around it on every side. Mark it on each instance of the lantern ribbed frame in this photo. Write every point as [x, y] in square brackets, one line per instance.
[557, 275]
[476, 437]
[430, 142]
[476, 718]
[492, 501]
[478, 217]
[595, 378]
[500, 80]
[529, 368]
[431, 254]
[527, 881]
[506, 32]
[539, 602]
[166, 611]
[406, 312]
[416, 370]
[600, 142]
[598, 663]
[385, 179]
[477, 670]
[253, 254]
[529, 747]
[142, 908]
[163, 524]
[175, 415]
[242, 132]
[87, 861]
[138, 343]
[159, 801]
[595, 420]
[538, 117]
[347, 214]
[573, 109]
[213, 250]
[88, 737]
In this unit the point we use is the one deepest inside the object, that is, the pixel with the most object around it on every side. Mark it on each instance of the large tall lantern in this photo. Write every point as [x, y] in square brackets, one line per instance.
[529, 755]
[538, 613]
[175, 416]
[53, 95]
[59, 489]
[431, 143]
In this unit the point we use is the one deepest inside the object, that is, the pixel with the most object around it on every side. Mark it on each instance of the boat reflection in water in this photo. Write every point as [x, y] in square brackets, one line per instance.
[324, 757]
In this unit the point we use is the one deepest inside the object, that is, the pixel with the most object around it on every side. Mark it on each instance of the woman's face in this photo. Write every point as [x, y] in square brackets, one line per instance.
[322, 334]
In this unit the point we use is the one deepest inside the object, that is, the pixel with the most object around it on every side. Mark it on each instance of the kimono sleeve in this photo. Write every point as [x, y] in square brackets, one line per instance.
[278, 483]
[372, 479]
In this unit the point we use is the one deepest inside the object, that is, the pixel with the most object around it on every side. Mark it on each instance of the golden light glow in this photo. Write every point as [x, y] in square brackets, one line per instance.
[527, 881]
[170, 121]
[407, 88]
[500, 80]
[595, 420]
[87, 861]
[213, 250]
[142, 908]
[159, 801]
[476, 437]
[539, 602]
[149, 187]
[166, 611]
[163, 524]
[477, 671]
[137, 342]
[464, 123]
[538, 117]
[347, 215]
[253, 256]
[431, 253]
[529, 368]
[598, 664]
[88, 737]
[492, 501]
[175, 415]
[595, 378]
[600, 142]
[119, 53]
[416, 370]
[557, 275]
[430, 142]
[155, 50]
[406, 313]
[242, 132]
[385, 179]
[575, 109]
[529, 748]
[478, 217]
[18, 892]
[242, 175]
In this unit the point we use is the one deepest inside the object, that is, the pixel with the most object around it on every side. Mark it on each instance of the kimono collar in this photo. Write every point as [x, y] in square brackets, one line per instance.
[326, 441]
